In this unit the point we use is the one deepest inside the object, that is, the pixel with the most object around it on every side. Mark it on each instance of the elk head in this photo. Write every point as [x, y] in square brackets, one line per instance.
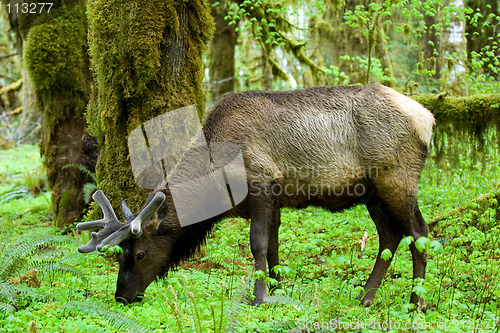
[137, 268]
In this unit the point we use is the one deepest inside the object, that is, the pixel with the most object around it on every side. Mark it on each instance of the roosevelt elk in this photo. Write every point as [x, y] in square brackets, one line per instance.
[369, 144]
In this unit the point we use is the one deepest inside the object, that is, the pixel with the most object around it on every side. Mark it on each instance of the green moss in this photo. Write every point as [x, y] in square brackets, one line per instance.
[463, 119]
[54, 51]
[147, 60]
[473, 115]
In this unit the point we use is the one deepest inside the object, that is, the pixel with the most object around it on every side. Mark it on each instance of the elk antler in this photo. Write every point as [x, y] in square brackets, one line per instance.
[114, 231]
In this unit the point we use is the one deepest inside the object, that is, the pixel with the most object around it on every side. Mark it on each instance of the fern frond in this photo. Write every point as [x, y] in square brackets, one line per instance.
[237, 308]
[29, 294]
[49, 266]
[88, 188]
[119, 321]
[14, 193]
[282, 299]
[83, 169]
[6, 307]
[15, 260]
[6, 292]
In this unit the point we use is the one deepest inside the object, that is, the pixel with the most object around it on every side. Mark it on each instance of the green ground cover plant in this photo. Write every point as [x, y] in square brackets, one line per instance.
[322, 267]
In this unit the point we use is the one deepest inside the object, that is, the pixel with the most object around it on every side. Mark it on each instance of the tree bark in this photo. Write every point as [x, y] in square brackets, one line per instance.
[147, 60]
[431, 46]
[222, 47]
[56, 59]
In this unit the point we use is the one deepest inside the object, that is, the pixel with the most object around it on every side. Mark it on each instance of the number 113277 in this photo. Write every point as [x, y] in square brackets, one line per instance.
[29, 8]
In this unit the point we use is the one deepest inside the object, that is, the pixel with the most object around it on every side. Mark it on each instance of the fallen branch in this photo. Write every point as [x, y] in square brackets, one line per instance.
[16, 111]
[482, 201]
[13, 86]
[10, 55]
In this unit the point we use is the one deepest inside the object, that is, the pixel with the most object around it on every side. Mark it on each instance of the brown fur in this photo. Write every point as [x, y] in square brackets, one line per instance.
[328, 140]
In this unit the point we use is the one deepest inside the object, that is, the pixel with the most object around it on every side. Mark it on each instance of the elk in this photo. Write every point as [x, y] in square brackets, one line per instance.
[369, 143]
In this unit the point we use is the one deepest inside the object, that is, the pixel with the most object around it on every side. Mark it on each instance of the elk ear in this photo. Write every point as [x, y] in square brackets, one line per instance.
[161, 213]
[127, 214]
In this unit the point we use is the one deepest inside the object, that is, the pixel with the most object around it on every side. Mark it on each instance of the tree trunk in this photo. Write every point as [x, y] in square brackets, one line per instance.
[221, 67]
[382, 53]
[147, 60]
[56, 59]
[28, 94]
[431, 46]
[478, 33]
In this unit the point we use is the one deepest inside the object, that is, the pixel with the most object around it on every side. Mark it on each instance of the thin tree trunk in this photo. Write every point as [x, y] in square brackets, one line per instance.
[382, 53]
[222, 47]
[431, 46]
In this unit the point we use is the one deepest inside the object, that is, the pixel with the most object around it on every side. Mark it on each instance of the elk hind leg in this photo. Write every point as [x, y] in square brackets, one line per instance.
[418, 228]
[262, 210]
[390, 235]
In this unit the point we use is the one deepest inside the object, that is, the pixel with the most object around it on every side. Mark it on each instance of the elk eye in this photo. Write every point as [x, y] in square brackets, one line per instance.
[139, 256]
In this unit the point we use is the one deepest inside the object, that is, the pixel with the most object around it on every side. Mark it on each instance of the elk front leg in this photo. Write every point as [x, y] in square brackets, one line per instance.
[262, 208]
[273, 247]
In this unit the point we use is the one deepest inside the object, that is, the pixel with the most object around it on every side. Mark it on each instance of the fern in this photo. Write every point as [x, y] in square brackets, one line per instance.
[118, 321]
[88, 188]
[16, 260]
[41, 254]
[7, 294]
[5, 307]
[14, 193]
[82, 169]
[282, 299]
[238, 306]
[49, 267]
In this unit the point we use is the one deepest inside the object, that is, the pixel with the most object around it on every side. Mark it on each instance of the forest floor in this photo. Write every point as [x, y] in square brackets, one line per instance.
[47, 286]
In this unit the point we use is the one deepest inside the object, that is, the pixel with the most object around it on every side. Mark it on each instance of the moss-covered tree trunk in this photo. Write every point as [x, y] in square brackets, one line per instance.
[147, 60]
[222, 47]
[463, 119]
[55, 54]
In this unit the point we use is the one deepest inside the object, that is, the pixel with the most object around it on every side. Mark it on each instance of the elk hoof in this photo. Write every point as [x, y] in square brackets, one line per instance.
[366, 298]
[367, 302]
[258, 301]
[418, 302]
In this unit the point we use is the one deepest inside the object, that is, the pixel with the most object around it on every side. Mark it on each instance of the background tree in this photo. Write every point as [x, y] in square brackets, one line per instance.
[147, 60]
[56, 58]
[20, 119]
[482, 29]
[431, 40]
[222, 48]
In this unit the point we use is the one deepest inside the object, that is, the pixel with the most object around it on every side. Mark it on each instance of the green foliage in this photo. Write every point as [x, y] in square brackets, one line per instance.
[412, 44]
[88, 188]
[25, 184]
[386, 254]
[36, 255]
[118, 320]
